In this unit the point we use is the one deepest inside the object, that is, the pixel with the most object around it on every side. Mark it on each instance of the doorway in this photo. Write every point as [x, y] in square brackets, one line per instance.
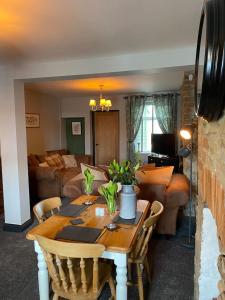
[105, 137]
[75, 135]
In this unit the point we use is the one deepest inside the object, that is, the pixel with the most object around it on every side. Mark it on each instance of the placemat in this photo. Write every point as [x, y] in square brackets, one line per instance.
[79, 234]
[134, 221]
[71, 210]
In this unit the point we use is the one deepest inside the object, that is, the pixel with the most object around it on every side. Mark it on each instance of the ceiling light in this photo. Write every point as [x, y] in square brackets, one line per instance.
[104, 104]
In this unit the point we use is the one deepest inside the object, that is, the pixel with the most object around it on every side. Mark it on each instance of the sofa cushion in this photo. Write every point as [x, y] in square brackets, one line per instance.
[33, 161]
[98, 173]
[177, 193]
[44, 165]
[55, 160]
[66, 175]
[160, 175]
[69, 161]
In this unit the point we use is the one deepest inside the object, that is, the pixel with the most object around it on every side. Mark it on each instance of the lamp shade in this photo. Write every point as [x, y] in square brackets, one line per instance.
[186, 133]
[102, 102]
[108, 103]
[92, 102]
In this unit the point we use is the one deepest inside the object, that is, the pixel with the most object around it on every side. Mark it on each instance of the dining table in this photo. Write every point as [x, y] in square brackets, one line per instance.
[118, 243]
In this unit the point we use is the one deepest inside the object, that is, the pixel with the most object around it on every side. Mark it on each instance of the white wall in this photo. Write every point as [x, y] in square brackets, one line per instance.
[78, 107]
[47, 137]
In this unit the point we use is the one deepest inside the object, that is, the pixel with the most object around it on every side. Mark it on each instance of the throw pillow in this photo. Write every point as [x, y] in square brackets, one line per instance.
[69, 161]
[160, 175]
[44, 164]
[97, 172]
[55, 160]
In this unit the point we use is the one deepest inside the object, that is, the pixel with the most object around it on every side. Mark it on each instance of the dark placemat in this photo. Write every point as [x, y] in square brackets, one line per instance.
[100, 200]
[134, 221]
[79, 234]
[71, 210]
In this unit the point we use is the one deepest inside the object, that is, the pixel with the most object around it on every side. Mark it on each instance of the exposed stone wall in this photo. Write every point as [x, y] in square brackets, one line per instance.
[211, 183]
[188, 117]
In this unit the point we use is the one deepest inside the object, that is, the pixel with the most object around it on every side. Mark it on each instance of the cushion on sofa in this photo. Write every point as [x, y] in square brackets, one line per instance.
[159, 175]
[69, 161]
[44, 165]
[98, 173]
[33, 161]
[55, 160]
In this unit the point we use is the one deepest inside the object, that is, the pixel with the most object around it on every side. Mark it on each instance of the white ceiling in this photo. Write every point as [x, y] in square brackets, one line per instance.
[113, 85]
[65, 29]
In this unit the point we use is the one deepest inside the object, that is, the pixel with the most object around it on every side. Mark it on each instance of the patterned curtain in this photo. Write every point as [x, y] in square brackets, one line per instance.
[166, 111]
[134, 113]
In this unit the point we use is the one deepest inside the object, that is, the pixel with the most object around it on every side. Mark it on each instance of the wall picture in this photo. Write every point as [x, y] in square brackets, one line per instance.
[32, 120]
[76, 128]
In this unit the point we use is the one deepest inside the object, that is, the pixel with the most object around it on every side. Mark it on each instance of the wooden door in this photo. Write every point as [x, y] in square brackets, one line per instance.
[106, 137]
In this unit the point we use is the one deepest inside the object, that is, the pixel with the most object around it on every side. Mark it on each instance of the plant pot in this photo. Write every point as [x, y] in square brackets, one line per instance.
[128, 202]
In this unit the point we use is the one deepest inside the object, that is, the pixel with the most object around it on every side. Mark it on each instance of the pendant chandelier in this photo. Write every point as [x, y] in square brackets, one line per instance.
[104, 104]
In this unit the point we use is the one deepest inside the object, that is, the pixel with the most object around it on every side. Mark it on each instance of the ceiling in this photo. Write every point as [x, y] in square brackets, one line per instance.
[113, 85]
[71, 29]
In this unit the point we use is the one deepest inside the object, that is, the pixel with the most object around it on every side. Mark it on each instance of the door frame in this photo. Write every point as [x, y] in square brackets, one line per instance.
[93, 131]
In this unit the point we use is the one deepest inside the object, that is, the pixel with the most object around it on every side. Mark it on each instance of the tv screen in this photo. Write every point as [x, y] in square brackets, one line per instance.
[163, 143]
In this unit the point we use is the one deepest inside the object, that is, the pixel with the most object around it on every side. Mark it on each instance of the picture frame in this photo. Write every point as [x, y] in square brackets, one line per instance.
[32, 120]
[76, 128]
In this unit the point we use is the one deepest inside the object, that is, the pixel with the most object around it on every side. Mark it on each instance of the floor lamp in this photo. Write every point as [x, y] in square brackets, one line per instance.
[187, 151]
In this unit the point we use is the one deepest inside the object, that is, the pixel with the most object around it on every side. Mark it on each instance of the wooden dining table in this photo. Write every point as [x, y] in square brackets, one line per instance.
[118, 243]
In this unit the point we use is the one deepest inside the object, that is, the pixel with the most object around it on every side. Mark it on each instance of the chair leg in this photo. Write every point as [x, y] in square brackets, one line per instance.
[140, 282]
[146, 264]
[55, 297]
[112, 288]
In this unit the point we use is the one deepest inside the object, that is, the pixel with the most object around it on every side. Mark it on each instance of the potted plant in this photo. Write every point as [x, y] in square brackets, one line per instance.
[125, 174]
[109, 193]
[88, 182]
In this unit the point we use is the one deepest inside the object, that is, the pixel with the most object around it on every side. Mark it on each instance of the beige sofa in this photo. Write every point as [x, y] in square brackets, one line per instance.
[47, 182]
[173, 197]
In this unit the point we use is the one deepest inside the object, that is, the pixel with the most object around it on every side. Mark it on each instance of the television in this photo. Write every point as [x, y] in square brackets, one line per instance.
[163, 143]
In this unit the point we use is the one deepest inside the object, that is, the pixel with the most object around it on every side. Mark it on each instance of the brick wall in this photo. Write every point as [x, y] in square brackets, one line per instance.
[211, 185]
[188, 117]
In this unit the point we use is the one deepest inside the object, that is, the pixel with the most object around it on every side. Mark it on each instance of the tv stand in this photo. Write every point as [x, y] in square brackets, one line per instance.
[165, 160]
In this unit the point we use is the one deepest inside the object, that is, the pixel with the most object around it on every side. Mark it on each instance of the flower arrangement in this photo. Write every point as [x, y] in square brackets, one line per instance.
[88, 181]
[109, 193]
[124, 172]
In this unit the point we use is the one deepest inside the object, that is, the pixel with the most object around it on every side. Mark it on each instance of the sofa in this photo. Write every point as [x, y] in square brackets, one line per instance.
[49, 181]
[173, 197]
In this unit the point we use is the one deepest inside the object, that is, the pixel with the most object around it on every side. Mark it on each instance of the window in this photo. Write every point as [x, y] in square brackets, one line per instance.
[149, 125]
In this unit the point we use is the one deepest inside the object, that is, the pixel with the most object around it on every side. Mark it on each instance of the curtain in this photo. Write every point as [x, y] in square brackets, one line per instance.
[166, 111]
[134, 113]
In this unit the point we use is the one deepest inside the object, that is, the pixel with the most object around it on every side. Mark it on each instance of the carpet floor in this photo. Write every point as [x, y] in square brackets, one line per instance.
[172, 268]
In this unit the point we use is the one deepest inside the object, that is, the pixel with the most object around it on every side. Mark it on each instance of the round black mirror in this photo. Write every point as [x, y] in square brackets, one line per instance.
[211, 40]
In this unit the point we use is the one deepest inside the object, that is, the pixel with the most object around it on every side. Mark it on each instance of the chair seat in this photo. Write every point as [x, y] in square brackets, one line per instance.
[104, 274]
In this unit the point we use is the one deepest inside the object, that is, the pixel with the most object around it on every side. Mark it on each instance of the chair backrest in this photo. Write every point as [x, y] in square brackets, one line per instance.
[141, 246]
[66, 273]
[45, 208]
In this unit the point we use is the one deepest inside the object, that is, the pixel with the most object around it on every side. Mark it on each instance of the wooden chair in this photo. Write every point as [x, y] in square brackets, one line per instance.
[45, 208]
[82, 278]
[138, 255]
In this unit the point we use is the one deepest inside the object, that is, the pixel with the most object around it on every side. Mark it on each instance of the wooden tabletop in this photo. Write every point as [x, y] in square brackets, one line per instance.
[120, 240]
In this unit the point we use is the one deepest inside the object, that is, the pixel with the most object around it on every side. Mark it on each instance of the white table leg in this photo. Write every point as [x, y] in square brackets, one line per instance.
[120, 260]
[43, 281]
